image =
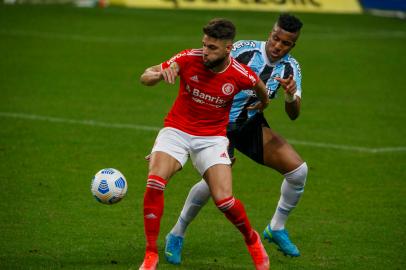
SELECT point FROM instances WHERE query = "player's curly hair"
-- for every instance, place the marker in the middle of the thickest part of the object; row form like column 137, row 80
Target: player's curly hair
column 220, row 28
column 289, row 23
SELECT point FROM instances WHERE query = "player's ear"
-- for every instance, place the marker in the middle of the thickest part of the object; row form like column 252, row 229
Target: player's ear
column 229, row 46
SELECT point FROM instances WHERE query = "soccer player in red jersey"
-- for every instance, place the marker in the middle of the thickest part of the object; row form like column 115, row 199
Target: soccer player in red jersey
column 196, row 127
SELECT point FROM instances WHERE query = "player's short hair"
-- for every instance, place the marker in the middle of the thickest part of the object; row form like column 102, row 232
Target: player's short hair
column 289, row 23
column 220, row 28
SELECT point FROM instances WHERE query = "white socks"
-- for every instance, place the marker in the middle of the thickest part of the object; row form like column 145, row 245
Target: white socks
column 291, row 190
column 196, row 199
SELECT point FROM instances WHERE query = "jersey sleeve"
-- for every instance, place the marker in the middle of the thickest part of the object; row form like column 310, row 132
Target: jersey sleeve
column 180, row 58
column 252, row 76
column 294, row 69
column 249, row 78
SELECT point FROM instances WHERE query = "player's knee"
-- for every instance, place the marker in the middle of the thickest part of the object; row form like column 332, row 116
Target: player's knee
column 298, row 176
column 200, row 193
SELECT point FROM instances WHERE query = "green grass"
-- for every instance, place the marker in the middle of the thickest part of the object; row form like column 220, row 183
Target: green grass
column 84, row 64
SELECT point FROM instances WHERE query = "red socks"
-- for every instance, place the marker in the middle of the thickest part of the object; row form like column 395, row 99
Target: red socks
column 154, row 206
column 234, row 210
column 153, row 209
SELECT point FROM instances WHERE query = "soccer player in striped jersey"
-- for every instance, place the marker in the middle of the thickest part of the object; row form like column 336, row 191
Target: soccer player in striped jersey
column 249, row 132
column 196, row 127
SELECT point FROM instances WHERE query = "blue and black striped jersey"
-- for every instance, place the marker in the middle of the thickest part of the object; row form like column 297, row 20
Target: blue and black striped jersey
column 252, row 53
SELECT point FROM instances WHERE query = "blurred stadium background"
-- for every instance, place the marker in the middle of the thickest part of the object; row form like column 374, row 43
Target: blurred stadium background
column 71, row 104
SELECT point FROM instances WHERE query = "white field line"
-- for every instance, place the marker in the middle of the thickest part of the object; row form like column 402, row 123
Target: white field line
column 78, row 122
column 152, row 128
column 92, row 39
column 174, row 38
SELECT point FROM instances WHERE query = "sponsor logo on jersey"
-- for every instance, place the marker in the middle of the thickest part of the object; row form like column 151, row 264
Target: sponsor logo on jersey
column 194, row 78
column 227, row 88
column 202, row 98
column 223, row 155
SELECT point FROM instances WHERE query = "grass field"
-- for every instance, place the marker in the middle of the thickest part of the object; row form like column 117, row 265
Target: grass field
column 71, row 104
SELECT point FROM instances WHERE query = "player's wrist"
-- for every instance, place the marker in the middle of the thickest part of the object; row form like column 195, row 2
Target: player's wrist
column 290, row 98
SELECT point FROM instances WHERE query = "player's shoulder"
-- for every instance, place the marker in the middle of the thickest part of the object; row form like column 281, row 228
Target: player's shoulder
column 246, row 45
column 189, row 52
column 291, row 60
column 291, row 65
column 185, row 56
column 235, row 65
column 195, row 52
column 243, row 70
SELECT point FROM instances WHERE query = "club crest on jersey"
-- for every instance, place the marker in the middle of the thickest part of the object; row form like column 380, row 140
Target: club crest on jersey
column 227, row 88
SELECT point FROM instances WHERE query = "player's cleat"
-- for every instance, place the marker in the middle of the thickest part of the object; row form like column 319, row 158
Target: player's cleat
column 150, row 262
column 173, row 248
column 281, row 239
column 258, row 254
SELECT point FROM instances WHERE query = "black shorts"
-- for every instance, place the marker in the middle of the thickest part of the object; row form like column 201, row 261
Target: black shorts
column 248, row 138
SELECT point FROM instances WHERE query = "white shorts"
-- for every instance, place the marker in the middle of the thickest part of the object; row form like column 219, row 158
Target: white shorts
column 205, row 151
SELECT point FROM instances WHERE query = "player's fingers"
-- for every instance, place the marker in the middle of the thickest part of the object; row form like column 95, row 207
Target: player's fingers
column 148, row 157
column 253, row 106
column 279, row 79
column 169, row 75
column 291, row 87
column 165, row 75
column 283, row 82
column 257, row 106
column 172, row 75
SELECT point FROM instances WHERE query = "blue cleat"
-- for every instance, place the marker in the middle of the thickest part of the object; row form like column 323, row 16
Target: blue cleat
column 281, row 239
column 173, row 248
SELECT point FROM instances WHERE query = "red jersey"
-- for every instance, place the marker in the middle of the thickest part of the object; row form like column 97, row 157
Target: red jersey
column 204, row 100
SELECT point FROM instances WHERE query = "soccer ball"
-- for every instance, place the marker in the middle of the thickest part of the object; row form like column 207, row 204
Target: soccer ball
column 109, row 186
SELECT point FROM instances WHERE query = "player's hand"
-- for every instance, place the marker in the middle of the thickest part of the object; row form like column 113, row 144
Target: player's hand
column 170, row 73
column 289, row 84
column 148, row 157
column 258, row 106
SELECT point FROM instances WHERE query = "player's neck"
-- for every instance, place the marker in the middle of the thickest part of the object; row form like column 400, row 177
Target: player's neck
column 222, row 66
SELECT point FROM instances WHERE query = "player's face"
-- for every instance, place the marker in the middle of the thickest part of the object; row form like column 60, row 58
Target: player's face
column 280, row 42
column 215, row 51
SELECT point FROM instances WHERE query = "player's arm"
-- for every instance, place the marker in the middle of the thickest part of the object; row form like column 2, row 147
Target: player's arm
column 292, row 101
column 262, row 94
column 155, row 74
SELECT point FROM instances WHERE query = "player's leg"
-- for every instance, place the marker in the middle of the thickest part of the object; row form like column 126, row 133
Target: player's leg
column 219, row 180
column 168, row 156
column 198, row 196
column 212, row 161
column 280, row 155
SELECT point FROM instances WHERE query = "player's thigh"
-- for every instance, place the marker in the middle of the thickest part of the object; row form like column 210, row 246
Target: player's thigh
column 163, row 165
column 219, row 179
column 278, row 153
column 170, row 152
column 209, row 151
